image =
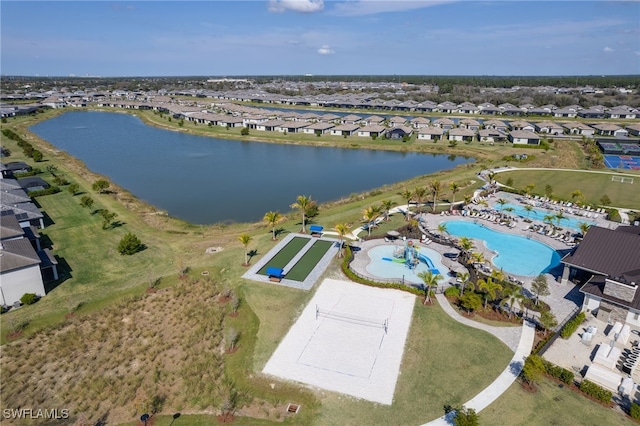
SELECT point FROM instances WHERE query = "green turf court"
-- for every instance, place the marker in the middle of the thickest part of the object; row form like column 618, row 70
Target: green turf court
column 284, row 256
column 309, row 260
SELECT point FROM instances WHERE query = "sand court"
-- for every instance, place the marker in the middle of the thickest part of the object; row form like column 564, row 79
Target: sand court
column 349, row 338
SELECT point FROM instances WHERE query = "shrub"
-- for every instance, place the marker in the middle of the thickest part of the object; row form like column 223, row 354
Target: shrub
column 37, row 155
column 572, row 325
column 48, row 191
column 29, row 299
column 101, row 185
column 634, row 412
column 596, row 391
column 452, row 292
column 562, row 374
column 533, row 369
column 244, row 131
column 129, row 244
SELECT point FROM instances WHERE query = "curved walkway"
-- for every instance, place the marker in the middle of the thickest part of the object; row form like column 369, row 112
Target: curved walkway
column 507, row 335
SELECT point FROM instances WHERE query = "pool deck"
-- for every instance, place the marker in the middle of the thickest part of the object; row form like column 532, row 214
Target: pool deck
column 314, row 275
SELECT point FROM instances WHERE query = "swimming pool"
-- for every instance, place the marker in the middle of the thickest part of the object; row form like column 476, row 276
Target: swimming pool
column 394, row 270
column 516, row 255
column 539, row 214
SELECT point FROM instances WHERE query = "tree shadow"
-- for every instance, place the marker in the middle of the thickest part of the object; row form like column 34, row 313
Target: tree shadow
column 515, row 367
column 251, row 254
column 280, row 231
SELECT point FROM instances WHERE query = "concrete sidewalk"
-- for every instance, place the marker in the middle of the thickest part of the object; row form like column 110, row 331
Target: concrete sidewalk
column 505, row 379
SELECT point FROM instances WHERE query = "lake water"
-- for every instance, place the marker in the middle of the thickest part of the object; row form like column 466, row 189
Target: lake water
column 206, row 180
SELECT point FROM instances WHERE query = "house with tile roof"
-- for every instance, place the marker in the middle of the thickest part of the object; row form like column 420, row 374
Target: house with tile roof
column 430, row 133
column 524, row 137
column 461, row 134
column 607, row 265
column 548, row 127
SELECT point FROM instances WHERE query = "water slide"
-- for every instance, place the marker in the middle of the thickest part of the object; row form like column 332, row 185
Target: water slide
column 428, row 262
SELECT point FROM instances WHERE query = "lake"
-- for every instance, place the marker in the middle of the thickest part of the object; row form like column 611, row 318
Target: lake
column 205, row 180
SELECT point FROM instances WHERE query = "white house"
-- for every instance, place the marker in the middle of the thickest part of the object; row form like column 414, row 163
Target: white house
column 524, row 137
column 20, row 271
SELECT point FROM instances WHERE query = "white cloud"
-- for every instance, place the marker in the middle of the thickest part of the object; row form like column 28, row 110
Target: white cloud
column 608, row 49
column 302, row 6
column 372, row 7
column 326, row 50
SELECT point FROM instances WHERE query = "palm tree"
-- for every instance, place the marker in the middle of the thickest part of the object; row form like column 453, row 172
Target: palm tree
column 528, row 208
column 303, row 203
column 273, row 218
column 513, row 295
column 435, row 186
column 386, row 206
column 466, row 244
column 577, row 194
column 464, row 279
column 559, row 216
column 502, row 202
column 430, row 280
column 342, row 229
column 549, row 218
column 490, row 289
column 467, row 199
column 442, row 228
column 245, row 239
column 418, row 195
column 477, row 257
column 498, row 275
column 584, row 227
column 370, row 215
column 491, row 176
column 407, row 195
column 454, row 187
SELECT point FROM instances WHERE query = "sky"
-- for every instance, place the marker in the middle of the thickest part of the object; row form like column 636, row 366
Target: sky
column 319, row 37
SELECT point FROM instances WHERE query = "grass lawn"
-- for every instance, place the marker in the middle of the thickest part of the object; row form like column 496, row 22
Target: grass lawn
column 309, row 260
column 551, row 405
column 592, row 185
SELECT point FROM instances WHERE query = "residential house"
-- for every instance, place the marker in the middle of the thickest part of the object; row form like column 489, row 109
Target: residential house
column 399, row 132
column 318, row 128
column 372, row 119
column 495, row 125
column 444, row 123
column 345, row 130
column 521, row 125
column 608, row 129
column 269, row 125
column 468, row 123
column 461, row 134
column 548, row 127
column 578, row 129
column 510, row 109
column 608, row 265
column 447, row 107
column 468, row 108
column 397, row 121
column 566, row 112
column 488, row 108
column 430, row 133
column 291, row 126
column 491, row 135
column 633, row 129
column 7, row 170
column 596, row 111
column 420, row 122
column 351, row 119
column 622, row 111
column 373, row 130
column 524, row 137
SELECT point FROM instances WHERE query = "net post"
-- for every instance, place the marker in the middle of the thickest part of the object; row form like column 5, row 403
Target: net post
column 317, row 312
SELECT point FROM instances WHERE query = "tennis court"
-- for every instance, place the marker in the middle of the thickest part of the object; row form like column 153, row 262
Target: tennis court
column 350, row 339
column 622, row 162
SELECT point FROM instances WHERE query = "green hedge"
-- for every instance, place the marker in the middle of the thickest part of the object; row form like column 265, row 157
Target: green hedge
column 634, row 412
column 562, row 374
column 572, row 325
column 452, row 292
column 48, row 191
column 596, row 391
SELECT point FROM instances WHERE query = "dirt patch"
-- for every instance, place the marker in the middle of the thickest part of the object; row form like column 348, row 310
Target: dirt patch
column 226, row 418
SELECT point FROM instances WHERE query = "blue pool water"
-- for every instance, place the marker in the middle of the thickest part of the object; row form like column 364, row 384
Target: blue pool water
column 394, row 270
column 516, row 255
column 539, row 214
